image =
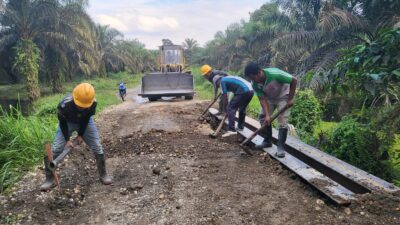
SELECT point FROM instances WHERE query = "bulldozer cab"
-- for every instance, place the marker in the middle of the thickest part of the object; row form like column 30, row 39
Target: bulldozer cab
column 171, row 58
column 170, row 80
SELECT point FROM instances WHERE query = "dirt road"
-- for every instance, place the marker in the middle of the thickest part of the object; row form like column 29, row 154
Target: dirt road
column 168, row 171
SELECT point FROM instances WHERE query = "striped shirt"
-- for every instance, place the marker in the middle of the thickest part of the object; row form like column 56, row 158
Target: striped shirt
column 235, row 84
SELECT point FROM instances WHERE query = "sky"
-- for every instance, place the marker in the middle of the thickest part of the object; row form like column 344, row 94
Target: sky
column 149, row 21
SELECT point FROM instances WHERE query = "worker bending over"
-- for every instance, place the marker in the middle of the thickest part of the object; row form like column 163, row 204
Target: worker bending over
column 76, row 114
column 275, row 88
column 243, row 93
column 209, row 74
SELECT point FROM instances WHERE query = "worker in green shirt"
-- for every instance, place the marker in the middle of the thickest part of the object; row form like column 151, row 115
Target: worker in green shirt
column 274, row 88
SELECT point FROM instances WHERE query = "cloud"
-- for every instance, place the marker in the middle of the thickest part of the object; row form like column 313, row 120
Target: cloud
column 149, row 23
column 112, row 21
column 152, row 20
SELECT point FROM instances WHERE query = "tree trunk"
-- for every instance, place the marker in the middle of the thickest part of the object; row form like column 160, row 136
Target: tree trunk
column 27, row 64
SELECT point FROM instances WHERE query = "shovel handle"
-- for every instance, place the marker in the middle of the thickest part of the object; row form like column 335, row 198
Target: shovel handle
column 209, row 106
column 245, row 142
column 55, row 162
column 220, row 126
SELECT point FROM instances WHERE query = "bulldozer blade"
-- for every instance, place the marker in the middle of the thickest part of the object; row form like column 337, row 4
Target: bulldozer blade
column 170, row 84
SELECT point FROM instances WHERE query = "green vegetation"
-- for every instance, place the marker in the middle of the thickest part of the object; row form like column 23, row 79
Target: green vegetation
column 359, row 145
column 306, row 112
column 22, row 138
column 394, row 153
column 204, row 89
column 346, row 52
column 51, row 42
column 22, row 144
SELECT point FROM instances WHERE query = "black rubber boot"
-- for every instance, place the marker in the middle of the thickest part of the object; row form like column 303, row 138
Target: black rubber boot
column 281, row 142
column 267, row 142
column 101, row 167
column 49, row 183
column 242, row 117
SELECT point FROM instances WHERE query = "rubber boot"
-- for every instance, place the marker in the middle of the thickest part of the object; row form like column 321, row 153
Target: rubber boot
column 267, row 142
column 242, row 117
column 49, row 183
column 101, row 167
column 281, row 142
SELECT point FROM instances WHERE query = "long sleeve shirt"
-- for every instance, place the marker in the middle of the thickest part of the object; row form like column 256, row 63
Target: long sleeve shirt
column 68, row 112
column 213, row 74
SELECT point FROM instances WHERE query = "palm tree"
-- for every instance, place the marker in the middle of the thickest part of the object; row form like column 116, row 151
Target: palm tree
column 72, row 48
column 338, row 25
column 60, row 28
column 189, row 46
column 24, row 21
column 106, row 40
column 265, row 24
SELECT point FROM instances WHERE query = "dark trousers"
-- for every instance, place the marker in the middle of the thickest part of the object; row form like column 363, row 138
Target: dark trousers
column 239, row 101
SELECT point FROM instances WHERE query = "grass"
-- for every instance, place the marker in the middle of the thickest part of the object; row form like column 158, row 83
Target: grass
column 22, row 144
column 324, row 127
column 394, row 153
column 22, row 138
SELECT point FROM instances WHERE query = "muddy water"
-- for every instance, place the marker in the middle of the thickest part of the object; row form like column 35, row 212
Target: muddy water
column 24, row 105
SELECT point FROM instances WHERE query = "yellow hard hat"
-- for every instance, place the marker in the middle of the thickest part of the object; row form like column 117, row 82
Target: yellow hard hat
column 83, row 95
column 205, row 69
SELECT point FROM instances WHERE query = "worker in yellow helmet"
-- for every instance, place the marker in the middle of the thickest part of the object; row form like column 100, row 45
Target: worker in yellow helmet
column 208, row 73
column 75, row 113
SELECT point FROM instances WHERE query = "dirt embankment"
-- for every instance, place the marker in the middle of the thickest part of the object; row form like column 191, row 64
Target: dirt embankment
column 168, row 171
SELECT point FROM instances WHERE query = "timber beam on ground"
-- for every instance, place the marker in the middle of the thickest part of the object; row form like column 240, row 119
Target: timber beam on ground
column 334, row 178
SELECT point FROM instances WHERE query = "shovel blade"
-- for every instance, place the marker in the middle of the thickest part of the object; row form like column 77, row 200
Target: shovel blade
column 246, row 149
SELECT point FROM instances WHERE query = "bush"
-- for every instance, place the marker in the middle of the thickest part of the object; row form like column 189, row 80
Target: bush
column 359, row 145
column 306, row 112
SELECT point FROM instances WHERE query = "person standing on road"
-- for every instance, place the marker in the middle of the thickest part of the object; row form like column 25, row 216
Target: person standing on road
column 243, row 93
column 76, row 114
column 122, row 90
column 208, row 73
column 275, row 88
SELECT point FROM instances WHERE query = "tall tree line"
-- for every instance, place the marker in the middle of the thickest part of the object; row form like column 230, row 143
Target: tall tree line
column 56, row 41
column 347, row 52
column 299, row 35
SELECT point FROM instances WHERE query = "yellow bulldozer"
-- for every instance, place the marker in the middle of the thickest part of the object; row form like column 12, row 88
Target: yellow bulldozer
column 170, row 80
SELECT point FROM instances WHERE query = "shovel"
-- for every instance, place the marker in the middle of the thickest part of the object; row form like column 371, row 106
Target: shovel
column 245, row 142
column 50, row 157
column 215, row 134
column 56, row 162
column 209, row 106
